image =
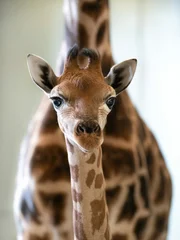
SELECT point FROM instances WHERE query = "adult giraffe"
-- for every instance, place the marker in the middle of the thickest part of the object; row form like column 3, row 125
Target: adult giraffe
column 138, row 186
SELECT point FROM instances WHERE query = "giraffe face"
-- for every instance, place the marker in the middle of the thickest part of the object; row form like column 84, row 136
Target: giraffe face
column 82, row 97
column 82, row 101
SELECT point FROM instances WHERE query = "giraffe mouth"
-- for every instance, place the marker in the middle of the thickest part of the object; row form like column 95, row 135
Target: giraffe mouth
column 88, row 142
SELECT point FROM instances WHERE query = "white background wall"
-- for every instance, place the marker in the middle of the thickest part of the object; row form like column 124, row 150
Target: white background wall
column 148, row 30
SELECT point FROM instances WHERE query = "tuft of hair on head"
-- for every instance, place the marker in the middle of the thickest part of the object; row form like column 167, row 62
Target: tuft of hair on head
column 73, row 52
column 72, row 55
column 93, row 56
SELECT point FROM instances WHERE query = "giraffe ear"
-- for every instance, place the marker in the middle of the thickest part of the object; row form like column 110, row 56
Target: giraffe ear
column 120, row 75
column 41, row 73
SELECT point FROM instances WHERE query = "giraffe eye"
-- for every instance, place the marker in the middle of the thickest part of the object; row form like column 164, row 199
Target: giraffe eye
column 57, row 102
column 110, row 102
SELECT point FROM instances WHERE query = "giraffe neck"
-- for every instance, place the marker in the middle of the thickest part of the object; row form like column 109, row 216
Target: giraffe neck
column 87, row 24
column 90, row 212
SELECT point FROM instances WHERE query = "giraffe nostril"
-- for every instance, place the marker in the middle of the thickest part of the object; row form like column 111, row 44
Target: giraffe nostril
column 97, row 128
column 80, row 129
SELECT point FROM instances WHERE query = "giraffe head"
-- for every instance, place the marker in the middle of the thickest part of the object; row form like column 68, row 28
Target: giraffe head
column 82, row 96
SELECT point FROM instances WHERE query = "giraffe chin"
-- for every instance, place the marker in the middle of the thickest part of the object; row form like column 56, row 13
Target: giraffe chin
column 88, row 143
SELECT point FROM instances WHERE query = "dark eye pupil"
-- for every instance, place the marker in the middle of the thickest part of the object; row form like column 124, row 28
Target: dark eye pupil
column 110, row 102
column 57, row 102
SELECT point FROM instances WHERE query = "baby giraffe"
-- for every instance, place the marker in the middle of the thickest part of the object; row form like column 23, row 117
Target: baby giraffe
column 83, row 98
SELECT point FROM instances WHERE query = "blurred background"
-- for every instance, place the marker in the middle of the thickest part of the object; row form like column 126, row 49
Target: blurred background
column 148, row 30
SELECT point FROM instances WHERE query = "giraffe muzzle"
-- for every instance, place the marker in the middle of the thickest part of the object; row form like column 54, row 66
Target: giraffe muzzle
column 88, row 127
column 88, row 135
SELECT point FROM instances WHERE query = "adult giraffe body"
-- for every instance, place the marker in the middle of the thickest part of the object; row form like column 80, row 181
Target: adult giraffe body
column 138, row 185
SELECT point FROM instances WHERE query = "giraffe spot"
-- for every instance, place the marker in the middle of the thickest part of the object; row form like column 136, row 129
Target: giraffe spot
column 46, row 236
column 161, row 192
column 49, row 124
column 77, row 197
column 78, row 226
column 83, row 40
column 90, row 177
column 101, row 33
column 94, row 9
column 161, row 224
column 98, row 214
column 150, row 163
column 49, row 163
column 54, row 203
column 74, row 172
column 117, row 161
column 99, row 181
column 112, row 195
column 28, row 208
column 119, row 237
column 140, row 227
column 92, row 159
column 144, row 187
column 130, row 207
column 124, row 129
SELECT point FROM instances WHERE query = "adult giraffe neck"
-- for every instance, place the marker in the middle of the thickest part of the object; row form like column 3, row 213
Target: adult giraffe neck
column 87, row 24
column 90, row 212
